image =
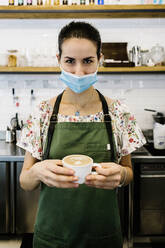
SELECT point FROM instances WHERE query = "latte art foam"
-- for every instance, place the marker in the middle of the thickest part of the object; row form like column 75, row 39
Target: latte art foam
column 78, row 160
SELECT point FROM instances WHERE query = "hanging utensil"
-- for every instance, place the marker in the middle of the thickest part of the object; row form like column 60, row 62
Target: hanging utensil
column 32, row 98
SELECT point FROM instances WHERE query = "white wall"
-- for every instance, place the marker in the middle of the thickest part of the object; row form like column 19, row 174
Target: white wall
column 145, row 32
column 137, row 90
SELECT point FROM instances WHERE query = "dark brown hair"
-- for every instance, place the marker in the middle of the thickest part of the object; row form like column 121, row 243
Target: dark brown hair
column 82, row 30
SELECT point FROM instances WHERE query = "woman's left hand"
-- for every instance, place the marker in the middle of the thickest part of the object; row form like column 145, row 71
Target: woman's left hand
column 108, row 176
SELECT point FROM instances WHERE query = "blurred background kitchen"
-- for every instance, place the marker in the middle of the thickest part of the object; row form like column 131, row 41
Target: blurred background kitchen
column 132, row 70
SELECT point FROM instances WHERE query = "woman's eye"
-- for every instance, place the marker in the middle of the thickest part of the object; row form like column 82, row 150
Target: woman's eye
column 88, row 61
column 69, row 61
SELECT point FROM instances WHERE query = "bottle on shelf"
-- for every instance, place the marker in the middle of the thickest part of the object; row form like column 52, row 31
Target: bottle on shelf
column 48, row 2
column 29, row 2
column 39, row 2
column 12, row 58
column 11, row 2
column 16, row 2
column 56, row 2
column 82, row 2
column 73, row 2
column 20, row 2
column 34, row 2
column 65, row 2
column 91, row 2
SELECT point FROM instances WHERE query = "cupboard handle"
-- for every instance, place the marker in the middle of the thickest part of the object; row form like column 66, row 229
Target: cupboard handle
column 7, row 200
column 12, row 195
column 152, row 176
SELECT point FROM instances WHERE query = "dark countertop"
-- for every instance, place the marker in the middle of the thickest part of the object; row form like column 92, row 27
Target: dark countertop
column 11, row 152
column 148, row 154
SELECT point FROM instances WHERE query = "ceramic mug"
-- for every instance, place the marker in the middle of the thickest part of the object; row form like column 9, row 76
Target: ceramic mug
column 81, row 164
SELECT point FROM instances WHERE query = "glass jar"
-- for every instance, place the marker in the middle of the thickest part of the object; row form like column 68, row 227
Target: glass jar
column 12, row 58
column 157, row 54
column 145, row 56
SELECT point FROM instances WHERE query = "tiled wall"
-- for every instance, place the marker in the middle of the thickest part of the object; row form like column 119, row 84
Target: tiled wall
column 139, row 91
column 144, row 32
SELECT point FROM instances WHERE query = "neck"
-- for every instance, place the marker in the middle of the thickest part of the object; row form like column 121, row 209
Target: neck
column 81, row 99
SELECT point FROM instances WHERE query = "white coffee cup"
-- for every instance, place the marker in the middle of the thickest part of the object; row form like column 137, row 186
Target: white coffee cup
column 81, row 164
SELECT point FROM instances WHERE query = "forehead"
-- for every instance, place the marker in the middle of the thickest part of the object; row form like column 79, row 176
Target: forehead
column 75, row 47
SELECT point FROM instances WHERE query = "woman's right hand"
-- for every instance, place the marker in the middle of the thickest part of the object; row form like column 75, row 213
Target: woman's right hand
column 53, row 174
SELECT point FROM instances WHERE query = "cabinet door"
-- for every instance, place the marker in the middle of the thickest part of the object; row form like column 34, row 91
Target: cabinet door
column 4, row 198
column 26, row 205
column 152, row 205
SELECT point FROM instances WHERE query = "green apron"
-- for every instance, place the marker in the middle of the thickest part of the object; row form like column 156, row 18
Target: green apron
column 83, row 217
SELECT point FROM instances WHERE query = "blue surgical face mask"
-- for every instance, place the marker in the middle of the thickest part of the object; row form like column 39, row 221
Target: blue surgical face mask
column 78, row 83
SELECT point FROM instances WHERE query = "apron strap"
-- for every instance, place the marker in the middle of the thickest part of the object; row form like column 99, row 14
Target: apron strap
column 53, row 121
column 108, row 123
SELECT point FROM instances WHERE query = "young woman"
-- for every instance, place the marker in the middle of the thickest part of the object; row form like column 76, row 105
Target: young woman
column 79, row 121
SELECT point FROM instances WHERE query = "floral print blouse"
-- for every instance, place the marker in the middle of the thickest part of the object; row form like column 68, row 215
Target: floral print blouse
column 128, row 136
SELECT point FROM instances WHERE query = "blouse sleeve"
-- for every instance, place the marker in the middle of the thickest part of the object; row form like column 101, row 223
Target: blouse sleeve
column 33, row 134
column 129, row 134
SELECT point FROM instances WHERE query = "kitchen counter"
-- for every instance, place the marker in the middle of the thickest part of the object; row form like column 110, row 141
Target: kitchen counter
column 143, row 155
column 10, row 152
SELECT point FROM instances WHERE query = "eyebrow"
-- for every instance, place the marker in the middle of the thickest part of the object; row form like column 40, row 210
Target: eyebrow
column 90, row 57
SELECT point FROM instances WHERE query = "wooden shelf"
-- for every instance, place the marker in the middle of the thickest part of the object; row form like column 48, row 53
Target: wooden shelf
column 146, row 69
column 106, row 70
column 29, row 69
column 83, row 11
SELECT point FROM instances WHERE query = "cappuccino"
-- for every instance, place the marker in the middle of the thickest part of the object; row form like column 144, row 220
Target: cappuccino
column 81, row 164
column 78, row 160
